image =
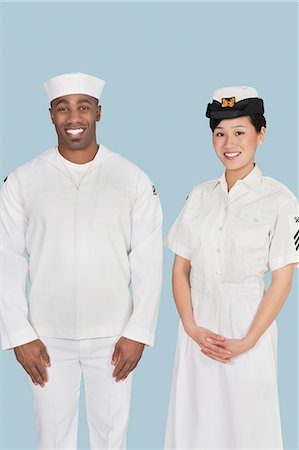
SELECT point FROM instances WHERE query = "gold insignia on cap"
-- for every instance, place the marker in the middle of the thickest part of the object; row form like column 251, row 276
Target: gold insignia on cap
column 228, row 102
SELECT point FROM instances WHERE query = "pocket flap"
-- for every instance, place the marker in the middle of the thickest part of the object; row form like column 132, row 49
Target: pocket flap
column 256, row 218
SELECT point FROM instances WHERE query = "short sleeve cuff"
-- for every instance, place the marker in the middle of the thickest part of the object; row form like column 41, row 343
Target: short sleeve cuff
column 178, row 248
column 282, row 261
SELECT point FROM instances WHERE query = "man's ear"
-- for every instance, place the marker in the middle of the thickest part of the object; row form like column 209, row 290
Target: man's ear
column 51, row 115
column 98, row 115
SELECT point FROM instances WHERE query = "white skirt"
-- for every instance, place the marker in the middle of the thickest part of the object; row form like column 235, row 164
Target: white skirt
column 225, row 406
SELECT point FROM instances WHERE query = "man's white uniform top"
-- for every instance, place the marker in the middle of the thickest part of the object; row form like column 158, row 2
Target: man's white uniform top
column 93, row 251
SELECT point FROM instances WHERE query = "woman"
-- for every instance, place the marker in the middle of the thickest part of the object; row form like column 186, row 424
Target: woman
column 231, row 231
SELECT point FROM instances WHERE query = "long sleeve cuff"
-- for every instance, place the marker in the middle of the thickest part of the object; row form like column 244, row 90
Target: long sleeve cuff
column 17, row 338
column 139, row 334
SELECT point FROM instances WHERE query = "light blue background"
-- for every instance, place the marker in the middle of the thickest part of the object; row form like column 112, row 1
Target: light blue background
column 161, row 63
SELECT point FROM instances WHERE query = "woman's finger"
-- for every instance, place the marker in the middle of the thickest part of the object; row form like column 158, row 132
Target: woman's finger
column 217, row 349
column 215, row 340
column 224, row 361
column 211, row 353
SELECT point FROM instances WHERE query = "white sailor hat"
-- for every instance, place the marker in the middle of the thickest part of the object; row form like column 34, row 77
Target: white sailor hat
column 235, row 101
column 74, row 83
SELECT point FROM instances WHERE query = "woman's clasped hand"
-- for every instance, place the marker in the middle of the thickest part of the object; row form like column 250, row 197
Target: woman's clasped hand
column 219, row 347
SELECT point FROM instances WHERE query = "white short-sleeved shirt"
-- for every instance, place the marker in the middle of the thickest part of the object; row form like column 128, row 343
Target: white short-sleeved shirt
column 237, row 236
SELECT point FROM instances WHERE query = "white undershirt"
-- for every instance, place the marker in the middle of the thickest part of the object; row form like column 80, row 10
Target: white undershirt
column 76, row 170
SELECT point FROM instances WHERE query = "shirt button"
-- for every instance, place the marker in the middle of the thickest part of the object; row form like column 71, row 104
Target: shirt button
column 218, row 272
column 218, row 250
column 220, row 228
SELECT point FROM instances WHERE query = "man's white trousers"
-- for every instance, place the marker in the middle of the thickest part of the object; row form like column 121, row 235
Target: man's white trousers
column 56, row 405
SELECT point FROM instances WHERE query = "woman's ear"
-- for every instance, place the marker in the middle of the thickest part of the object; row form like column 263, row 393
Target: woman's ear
column 262, row 135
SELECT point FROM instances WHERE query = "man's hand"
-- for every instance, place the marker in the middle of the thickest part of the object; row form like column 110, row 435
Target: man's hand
column 34, row 357
column 125, row 358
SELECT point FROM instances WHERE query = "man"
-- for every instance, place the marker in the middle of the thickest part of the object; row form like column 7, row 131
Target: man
column 85, row 224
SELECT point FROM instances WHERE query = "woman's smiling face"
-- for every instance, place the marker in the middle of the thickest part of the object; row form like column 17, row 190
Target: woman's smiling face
column 235, row 142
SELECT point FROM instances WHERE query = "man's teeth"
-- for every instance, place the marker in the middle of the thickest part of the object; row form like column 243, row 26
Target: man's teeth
column 231, row 155
column 74, row 131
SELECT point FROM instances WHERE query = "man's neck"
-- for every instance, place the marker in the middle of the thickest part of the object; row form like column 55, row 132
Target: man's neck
column 79, row 156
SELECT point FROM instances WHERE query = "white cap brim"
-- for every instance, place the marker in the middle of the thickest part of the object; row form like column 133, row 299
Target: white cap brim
column 74, row 83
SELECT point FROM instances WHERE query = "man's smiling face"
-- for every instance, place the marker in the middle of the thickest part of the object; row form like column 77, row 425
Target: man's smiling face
column 75, row 117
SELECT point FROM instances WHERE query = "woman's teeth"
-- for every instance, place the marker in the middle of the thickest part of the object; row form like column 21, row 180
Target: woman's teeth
column 231, row 154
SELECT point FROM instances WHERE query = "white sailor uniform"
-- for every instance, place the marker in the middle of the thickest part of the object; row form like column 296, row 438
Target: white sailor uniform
column 231, row 239
column 92, row 246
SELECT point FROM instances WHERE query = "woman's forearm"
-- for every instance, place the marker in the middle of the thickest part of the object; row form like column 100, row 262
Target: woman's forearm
column 182, row 297
column 182, row 292
column 271, row 303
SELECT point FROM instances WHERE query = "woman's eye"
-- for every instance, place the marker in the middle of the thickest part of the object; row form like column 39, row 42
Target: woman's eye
column 239, row 133
column 219, row 134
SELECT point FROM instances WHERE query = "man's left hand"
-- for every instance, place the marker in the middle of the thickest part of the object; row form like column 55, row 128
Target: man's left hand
column 126, row 356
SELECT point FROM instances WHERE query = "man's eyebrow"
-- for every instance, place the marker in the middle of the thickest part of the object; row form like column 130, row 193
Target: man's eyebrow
column 61, row 101
column 82, row 100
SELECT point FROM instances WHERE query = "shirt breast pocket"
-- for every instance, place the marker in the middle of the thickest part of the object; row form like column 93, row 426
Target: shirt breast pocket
column 253, row 229
column 198, row 226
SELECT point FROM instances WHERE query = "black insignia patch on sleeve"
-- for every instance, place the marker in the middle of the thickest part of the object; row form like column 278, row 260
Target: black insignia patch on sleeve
column 296, row 218
column 187, row 197
column 5, row 179
column 296, row 240
column 154, row 191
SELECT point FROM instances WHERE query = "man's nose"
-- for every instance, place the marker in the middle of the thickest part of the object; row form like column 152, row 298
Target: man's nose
column 74, row 116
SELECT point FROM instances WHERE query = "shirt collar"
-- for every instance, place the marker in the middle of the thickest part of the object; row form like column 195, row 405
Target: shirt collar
column 54, row 158
column 252, row 180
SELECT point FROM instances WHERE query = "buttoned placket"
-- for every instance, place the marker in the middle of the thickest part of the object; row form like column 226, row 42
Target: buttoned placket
column 220, row 233
column 220, row 244
column 230, row 197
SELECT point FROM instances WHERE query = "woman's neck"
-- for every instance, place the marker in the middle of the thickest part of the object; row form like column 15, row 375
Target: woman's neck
column 232, row 176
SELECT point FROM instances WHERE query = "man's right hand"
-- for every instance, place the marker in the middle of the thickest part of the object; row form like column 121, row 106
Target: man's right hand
column 34, row 357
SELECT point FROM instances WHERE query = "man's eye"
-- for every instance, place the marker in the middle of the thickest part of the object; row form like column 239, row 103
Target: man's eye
column 62, row 108
column 84, row 108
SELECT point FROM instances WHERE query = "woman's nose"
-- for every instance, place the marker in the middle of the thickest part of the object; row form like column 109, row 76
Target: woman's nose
column 229, row 141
